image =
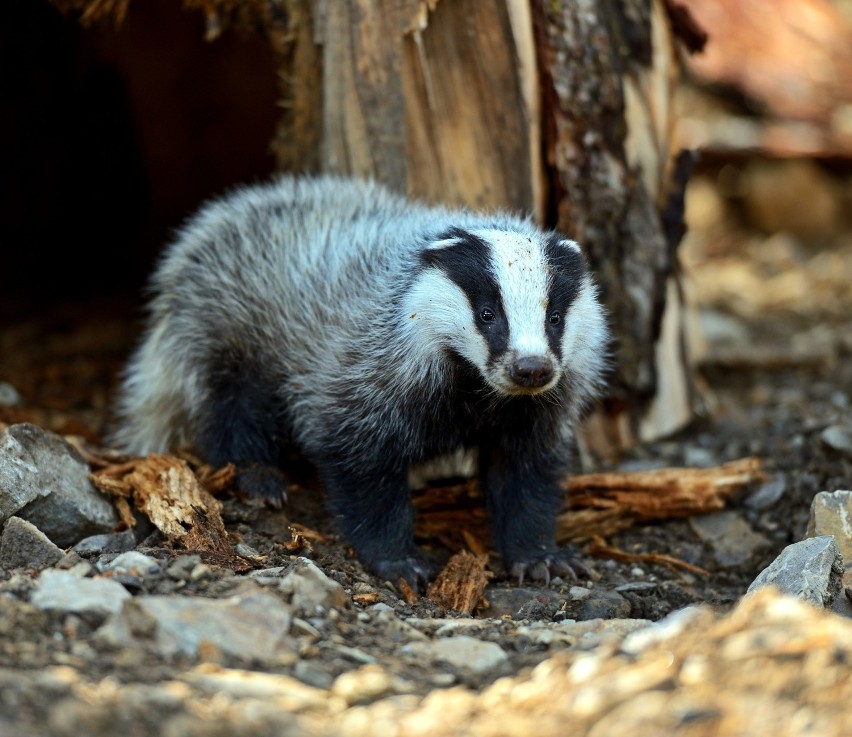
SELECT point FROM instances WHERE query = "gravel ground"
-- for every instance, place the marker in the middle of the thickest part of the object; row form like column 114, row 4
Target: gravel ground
column 763, row 396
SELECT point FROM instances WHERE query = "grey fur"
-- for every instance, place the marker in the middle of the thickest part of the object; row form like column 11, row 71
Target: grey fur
column 321, row 283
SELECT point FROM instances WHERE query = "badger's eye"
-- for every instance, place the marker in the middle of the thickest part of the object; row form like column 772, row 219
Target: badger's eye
column 487, row 314
column 555, row 317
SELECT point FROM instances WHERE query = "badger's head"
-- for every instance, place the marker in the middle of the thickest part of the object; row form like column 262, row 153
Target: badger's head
column 518, row 304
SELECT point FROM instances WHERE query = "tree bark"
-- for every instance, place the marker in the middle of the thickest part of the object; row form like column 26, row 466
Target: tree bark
column 560, row 109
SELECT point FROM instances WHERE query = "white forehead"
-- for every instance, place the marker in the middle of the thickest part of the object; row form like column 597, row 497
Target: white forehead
column 523, row 273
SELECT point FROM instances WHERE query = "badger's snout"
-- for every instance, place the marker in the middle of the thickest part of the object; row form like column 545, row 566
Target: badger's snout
column 531, row 372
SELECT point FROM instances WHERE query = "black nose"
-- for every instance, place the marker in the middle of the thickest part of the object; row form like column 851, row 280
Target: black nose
column 532, row 371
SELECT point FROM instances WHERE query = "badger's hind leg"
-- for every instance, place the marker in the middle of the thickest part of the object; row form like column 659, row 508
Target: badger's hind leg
column 242, row 422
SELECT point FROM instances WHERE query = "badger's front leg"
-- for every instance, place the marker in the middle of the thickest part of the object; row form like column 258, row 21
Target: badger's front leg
column 520, row 476
column 373, row 511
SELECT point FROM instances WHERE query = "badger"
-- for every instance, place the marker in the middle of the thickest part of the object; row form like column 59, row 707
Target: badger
column 372, row 333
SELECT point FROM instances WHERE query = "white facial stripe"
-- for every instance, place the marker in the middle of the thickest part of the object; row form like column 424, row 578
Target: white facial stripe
column 438, row 310
column 585, row 330
column 521, row 267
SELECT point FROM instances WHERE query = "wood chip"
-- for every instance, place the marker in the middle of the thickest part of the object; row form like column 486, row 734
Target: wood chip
column 307, row 533
column 371, row 597
column 217, row 480
column 299, row 543
column 462, row 583
column 409, row 595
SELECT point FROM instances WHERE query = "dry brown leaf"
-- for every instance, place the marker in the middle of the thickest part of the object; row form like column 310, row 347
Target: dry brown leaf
column 462, row 583
column 475, row 543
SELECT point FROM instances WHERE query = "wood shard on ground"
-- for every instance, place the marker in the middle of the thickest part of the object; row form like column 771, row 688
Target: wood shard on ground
column 461, row 584
column 166, row 490
column 601, row 503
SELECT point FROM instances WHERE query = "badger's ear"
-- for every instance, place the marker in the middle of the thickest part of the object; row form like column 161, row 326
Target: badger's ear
column 458, row 252
column 568, row 243
column 448, row 239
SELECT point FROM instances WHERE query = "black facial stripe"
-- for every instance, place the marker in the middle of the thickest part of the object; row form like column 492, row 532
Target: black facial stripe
column 568, row 269
column 468, row 264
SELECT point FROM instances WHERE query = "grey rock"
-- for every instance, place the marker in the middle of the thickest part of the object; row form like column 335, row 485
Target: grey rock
column 62, row 591
column 312, row 674
column 247, row 551
column 462, row 652
column 271, row 574
column 636, row 586
column 667, row 628
column 9, row 396
column 694, row 455
column 811, row 570
column 134, row 562
column 767, row 494
column 604, row 605
column 511, row 601
column 723, row 331
column 586, row 635
column 182, row 567
column 311, row 590
column 731, row 538
column 838, row 438
column 23, row 545
column 113, row 542
column 578, row 593
column 251, row 626
column 44, row 481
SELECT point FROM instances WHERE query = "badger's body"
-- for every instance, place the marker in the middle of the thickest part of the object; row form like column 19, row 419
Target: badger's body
column 372, row 334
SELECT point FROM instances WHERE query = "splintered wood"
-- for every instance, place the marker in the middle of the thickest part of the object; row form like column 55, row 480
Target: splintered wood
column 166, row 490
column 462, row 583
column 603, row 503
column 598, row 504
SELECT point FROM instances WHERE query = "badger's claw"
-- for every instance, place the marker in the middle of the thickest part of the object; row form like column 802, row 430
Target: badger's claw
column 417, row 570
column 540, row 566
column 260, row 481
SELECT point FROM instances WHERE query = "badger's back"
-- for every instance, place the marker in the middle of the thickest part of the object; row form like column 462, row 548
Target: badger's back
column 336, row 295
column 285, row 274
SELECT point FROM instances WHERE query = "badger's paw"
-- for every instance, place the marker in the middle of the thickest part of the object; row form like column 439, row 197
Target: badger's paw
column 543, row 565
column 260, row 481
column 418, row 570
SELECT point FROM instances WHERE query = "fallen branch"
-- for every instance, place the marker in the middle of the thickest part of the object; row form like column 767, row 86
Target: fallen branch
column 600, row 549
column 603, row 503
column 595, row 504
